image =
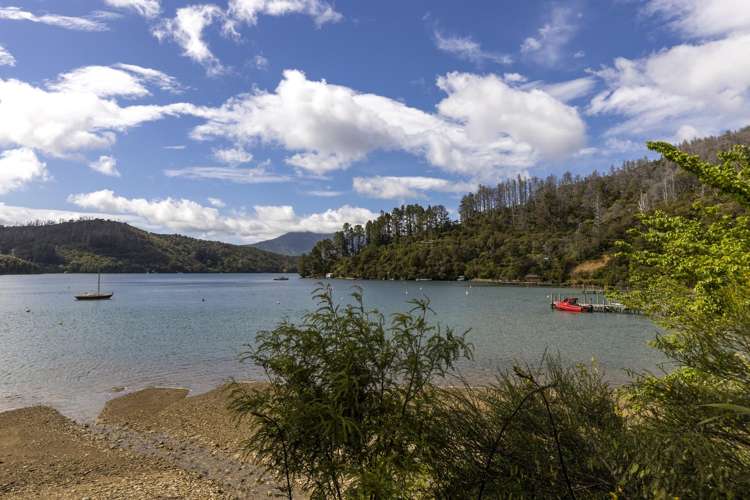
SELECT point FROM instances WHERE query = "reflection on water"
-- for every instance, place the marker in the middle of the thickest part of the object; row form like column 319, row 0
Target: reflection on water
column 188, row 330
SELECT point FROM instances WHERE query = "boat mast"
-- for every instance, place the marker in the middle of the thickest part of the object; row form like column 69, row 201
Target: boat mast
column 99, row 284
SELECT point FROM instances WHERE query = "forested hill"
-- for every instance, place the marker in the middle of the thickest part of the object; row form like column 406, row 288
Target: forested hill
column 108, row 246
column 294, row 243
column 555, row 229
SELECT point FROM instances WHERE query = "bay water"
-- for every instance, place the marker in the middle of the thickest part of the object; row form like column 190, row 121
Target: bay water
column 188, row 330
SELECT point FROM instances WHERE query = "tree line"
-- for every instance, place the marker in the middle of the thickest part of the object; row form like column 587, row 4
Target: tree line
column 555, row 229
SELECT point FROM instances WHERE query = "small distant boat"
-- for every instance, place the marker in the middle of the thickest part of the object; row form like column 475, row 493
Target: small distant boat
column 423, row 279
column 570, row 304
column 281, row 278
column 98, row 295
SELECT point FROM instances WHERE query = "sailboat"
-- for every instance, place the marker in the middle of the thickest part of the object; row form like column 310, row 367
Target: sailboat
column 98, row 295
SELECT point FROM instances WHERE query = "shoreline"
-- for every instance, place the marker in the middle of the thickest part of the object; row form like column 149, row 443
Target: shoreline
column 143, row 444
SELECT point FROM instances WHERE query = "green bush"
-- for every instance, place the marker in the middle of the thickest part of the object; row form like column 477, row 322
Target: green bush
column 347, row 410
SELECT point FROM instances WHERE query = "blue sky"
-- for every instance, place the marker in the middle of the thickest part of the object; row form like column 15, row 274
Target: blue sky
column 240, row 120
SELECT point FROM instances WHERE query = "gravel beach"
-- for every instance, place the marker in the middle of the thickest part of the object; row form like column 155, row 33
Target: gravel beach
column 153, row 443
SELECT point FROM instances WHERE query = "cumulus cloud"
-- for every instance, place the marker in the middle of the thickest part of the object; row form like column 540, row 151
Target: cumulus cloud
column 548, row 46
column 407, row 187
column 249, row 10
column 19, row 167
column 464, row 47
column 216, row 202
column 78, row 111
column 685, row 85
column 67, row 22
column 186, row 215
column 703, row 18
column 484, row 127
column 6, row 58
column 256, row 175
column 186, row 30
column 232, row 156
column 492, row 111
column 106, row 165
column 146, row 8
column 14, row 215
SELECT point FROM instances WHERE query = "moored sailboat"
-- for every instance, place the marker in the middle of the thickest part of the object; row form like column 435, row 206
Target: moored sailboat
column 98, row 295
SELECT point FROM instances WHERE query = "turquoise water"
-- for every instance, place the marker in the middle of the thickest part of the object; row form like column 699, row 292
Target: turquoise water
column 157, row 330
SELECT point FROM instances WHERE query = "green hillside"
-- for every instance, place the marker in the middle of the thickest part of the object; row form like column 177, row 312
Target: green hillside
column 108, row 246
column 558, row 230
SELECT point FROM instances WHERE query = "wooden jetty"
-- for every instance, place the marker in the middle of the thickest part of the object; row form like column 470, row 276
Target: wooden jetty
column 598, row 301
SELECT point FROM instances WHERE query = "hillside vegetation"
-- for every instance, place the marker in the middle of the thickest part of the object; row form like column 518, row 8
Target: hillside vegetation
column 108, row 246
column 557, row 229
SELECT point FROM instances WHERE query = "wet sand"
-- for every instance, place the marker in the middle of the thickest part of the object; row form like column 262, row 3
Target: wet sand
column 154, row 443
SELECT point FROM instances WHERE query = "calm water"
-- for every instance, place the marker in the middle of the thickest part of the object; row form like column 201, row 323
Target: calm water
column 158, row 331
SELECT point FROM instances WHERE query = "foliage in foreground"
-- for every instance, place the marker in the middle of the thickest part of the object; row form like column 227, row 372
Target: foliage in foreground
column 544, row 432
column 353, row 410
column 692, row 276
column 347, row 412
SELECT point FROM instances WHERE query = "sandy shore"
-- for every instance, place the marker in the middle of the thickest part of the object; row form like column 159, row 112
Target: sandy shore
column 154, row 443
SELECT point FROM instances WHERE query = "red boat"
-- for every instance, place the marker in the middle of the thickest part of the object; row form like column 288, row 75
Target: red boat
column 570, row 304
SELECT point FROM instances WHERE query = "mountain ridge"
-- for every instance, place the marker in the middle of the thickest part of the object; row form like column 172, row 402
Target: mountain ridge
column 91, row 245
column 293, row 243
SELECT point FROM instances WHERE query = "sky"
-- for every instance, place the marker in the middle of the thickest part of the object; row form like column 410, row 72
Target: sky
column 241, row 120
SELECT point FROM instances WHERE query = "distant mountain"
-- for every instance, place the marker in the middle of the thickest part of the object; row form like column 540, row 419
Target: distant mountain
column 292, row 243
column 93, row 245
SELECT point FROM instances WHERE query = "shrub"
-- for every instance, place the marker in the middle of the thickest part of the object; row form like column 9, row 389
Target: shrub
column 347, row 411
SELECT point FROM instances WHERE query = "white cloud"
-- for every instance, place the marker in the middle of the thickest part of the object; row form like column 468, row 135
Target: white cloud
column 154, row 77
column 13, row 216
column 493, row 111
column 67, row 22
column 324, row 193
column 188, row 26
column 483, row 127
column 177, row 147
column 77, row 111
column 264, row 222
column 685, row 85
column 248, row 10
column 703, row 18
column 127, row 80
column 147, row 8
column 6, row 58
column 464, row 47
column 572, row 89
column 216, row 202
column 186, row 29
column 579, row 55
column 232, row 156
column 260, row 62
column 514, row 78
column 548, row 46
column 407, row 187
column 106, row 165
column 256, row 175
column 19, row 167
